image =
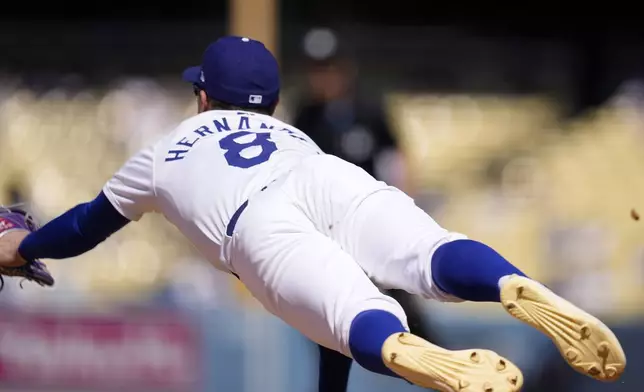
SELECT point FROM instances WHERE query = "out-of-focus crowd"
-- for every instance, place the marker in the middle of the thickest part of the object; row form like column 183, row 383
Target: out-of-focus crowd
column 552, row 196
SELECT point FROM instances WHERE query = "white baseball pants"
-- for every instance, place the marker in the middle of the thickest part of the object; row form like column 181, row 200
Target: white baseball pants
column 313, row 246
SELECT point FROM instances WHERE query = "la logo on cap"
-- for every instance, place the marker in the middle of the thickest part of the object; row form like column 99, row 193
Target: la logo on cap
column 256, row 99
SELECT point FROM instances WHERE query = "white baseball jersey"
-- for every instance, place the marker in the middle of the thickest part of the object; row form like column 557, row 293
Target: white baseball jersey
column 201, row 173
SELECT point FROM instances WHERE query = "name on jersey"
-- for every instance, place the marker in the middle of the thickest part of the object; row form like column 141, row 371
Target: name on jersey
column 223, row 124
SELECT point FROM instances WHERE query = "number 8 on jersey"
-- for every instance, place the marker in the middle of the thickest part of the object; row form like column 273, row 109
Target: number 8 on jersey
column 235, row 144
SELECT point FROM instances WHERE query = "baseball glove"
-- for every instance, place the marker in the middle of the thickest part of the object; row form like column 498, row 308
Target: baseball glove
column 12, row 219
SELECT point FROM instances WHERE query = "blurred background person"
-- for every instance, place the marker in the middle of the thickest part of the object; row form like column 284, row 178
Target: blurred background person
column 346, row 121
column 350, row 122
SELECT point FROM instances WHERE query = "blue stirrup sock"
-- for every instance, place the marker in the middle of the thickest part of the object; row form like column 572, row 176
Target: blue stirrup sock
column 368, row 333
column 470, row 270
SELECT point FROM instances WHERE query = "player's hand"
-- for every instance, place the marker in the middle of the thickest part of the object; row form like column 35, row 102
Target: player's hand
column 9, row 243
column 15, row 225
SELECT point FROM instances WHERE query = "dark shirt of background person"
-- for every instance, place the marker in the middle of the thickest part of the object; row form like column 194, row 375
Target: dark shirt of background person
column 346, row 123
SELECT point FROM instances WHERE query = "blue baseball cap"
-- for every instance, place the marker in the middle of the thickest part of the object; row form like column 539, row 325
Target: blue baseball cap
column 238, row 71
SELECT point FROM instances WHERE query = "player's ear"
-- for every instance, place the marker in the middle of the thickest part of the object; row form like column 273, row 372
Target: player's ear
column 202, row 101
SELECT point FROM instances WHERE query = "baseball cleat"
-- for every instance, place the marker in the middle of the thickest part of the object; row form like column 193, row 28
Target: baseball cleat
column 430, row 366
column 588, row 345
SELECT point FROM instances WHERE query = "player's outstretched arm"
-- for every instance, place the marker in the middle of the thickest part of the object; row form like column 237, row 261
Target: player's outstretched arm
column 75, row 232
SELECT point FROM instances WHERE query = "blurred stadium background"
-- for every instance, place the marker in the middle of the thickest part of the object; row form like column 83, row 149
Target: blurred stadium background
column 527, row 134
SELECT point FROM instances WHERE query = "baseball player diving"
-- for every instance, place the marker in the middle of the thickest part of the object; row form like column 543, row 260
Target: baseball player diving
column 310, row 235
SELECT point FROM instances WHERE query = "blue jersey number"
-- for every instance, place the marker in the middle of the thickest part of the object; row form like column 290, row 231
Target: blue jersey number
column 234, row 149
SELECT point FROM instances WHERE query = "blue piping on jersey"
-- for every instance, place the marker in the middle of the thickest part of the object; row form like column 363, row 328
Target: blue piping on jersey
column 230, row 229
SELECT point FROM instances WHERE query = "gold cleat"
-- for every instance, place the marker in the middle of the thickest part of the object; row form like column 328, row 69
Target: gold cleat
column 430, row 366
column 588, row 345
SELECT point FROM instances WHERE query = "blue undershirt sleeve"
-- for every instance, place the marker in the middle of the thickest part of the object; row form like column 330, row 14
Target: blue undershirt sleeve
column 75, row 232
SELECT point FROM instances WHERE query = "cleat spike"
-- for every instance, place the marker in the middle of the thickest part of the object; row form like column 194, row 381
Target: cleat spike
column 593, row 370
column 513, row 380
column 585, row 332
